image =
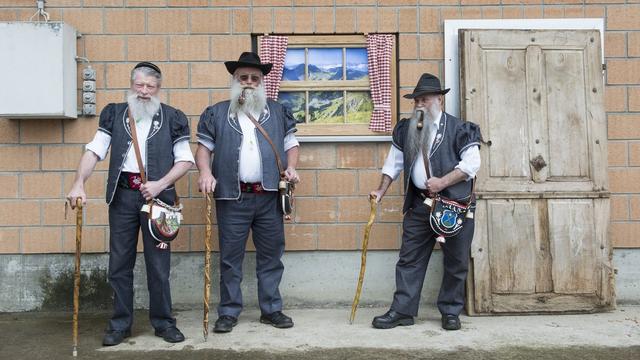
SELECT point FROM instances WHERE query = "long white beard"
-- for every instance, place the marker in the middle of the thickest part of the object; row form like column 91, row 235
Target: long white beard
column 417, row 139
column 254, row 99
column 142, row 109
column 432, row 112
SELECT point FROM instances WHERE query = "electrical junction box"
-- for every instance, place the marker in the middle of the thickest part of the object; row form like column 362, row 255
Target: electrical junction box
column 38, row 70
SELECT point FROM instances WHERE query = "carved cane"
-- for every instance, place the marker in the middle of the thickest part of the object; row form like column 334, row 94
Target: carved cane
column 76, row 280
column 207, row 266
column 363, row 262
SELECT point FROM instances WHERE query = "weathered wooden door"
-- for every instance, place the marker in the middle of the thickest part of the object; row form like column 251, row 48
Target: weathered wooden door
column 541, row 242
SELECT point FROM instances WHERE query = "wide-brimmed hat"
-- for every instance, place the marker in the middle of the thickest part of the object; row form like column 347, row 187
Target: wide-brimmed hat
column 248, row 59
column 428, row 84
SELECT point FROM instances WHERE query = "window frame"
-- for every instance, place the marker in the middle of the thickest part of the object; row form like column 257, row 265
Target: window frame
column 337, row 130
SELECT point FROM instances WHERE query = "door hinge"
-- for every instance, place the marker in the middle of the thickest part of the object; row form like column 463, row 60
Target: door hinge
column 604, row 67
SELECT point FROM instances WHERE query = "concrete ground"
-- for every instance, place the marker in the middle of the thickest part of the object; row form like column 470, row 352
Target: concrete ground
column 326, row 334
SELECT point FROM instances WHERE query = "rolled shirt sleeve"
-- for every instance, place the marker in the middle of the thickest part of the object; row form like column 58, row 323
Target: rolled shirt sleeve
column 290, row 141
column 394, row 163
column 470, row 162
column 209, row 144
column 100, row 144
column 182, row 152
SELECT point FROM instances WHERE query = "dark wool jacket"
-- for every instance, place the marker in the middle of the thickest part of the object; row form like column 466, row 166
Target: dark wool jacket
column 453, row 137
column 218, row 125
column 169, row 125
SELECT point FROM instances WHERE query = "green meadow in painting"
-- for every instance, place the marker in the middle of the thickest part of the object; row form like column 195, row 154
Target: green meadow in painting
column 295, row 101
column 359, row 107
column 328, row 107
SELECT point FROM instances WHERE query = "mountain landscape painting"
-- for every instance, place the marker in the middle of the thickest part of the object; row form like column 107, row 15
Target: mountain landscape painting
column 326, row 107
column 359, row 107
column 339, row 106
column 293, row 65
column 296, row 102
column 357, row 64
column 325, row 64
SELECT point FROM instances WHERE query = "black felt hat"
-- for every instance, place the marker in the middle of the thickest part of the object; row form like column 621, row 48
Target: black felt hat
column 248, row 59
column 148, row 65
column 428, row 84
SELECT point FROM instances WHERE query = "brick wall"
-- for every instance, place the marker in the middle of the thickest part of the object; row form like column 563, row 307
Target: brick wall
column 190, row 39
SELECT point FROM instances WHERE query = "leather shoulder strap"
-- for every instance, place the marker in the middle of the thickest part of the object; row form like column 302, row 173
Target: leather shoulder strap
column 266, row 136
column 136, row 147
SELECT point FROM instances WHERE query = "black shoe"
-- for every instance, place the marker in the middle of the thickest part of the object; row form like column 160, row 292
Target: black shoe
column 277, row 319
column 450, row 322
column 171, row 334
column 115, row 337
column 391, row 319
column 225, row 324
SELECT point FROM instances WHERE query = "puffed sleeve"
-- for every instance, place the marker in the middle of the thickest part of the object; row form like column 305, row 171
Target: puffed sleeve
column 468, row 134
column 179, row 127
column 206, row 130
column 289, row 121
column 107, row 116
column 399, row 134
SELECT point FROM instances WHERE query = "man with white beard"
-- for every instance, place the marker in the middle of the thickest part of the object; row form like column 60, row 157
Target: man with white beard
column 453, row 156
column 163, row 137
column 244, row 176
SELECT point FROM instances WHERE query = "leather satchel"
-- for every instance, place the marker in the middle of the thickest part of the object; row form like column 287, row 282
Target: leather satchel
column 446, row 216
column 286, row 188
column 163, row 220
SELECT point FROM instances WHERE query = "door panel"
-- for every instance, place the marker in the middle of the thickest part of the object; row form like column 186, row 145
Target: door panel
column 575, row 253
column 541, row 242
column 509, row 153
column 568, row 150
column 513, row 261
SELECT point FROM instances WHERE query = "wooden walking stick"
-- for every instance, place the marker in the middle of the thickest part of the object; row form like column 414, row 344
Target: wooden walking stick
column 76, row 280
column 207, row 266
column 363, row 261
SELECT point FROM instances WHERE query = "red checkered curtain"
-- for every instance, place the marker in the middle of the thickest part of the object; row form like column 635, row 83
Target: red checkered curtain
column 379, row 48
column 273, row 49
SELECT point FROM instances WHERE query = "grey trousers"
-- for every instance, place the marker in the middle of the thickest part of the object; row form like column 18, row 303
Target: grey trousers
column 260, row 214
column 125, row 220
column 418, row 240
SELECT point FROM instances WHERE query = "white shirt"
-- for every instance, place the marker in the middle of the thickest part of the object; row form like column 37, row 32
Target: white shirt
column 250, row 168
column 393, row 165
column 101, row 142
